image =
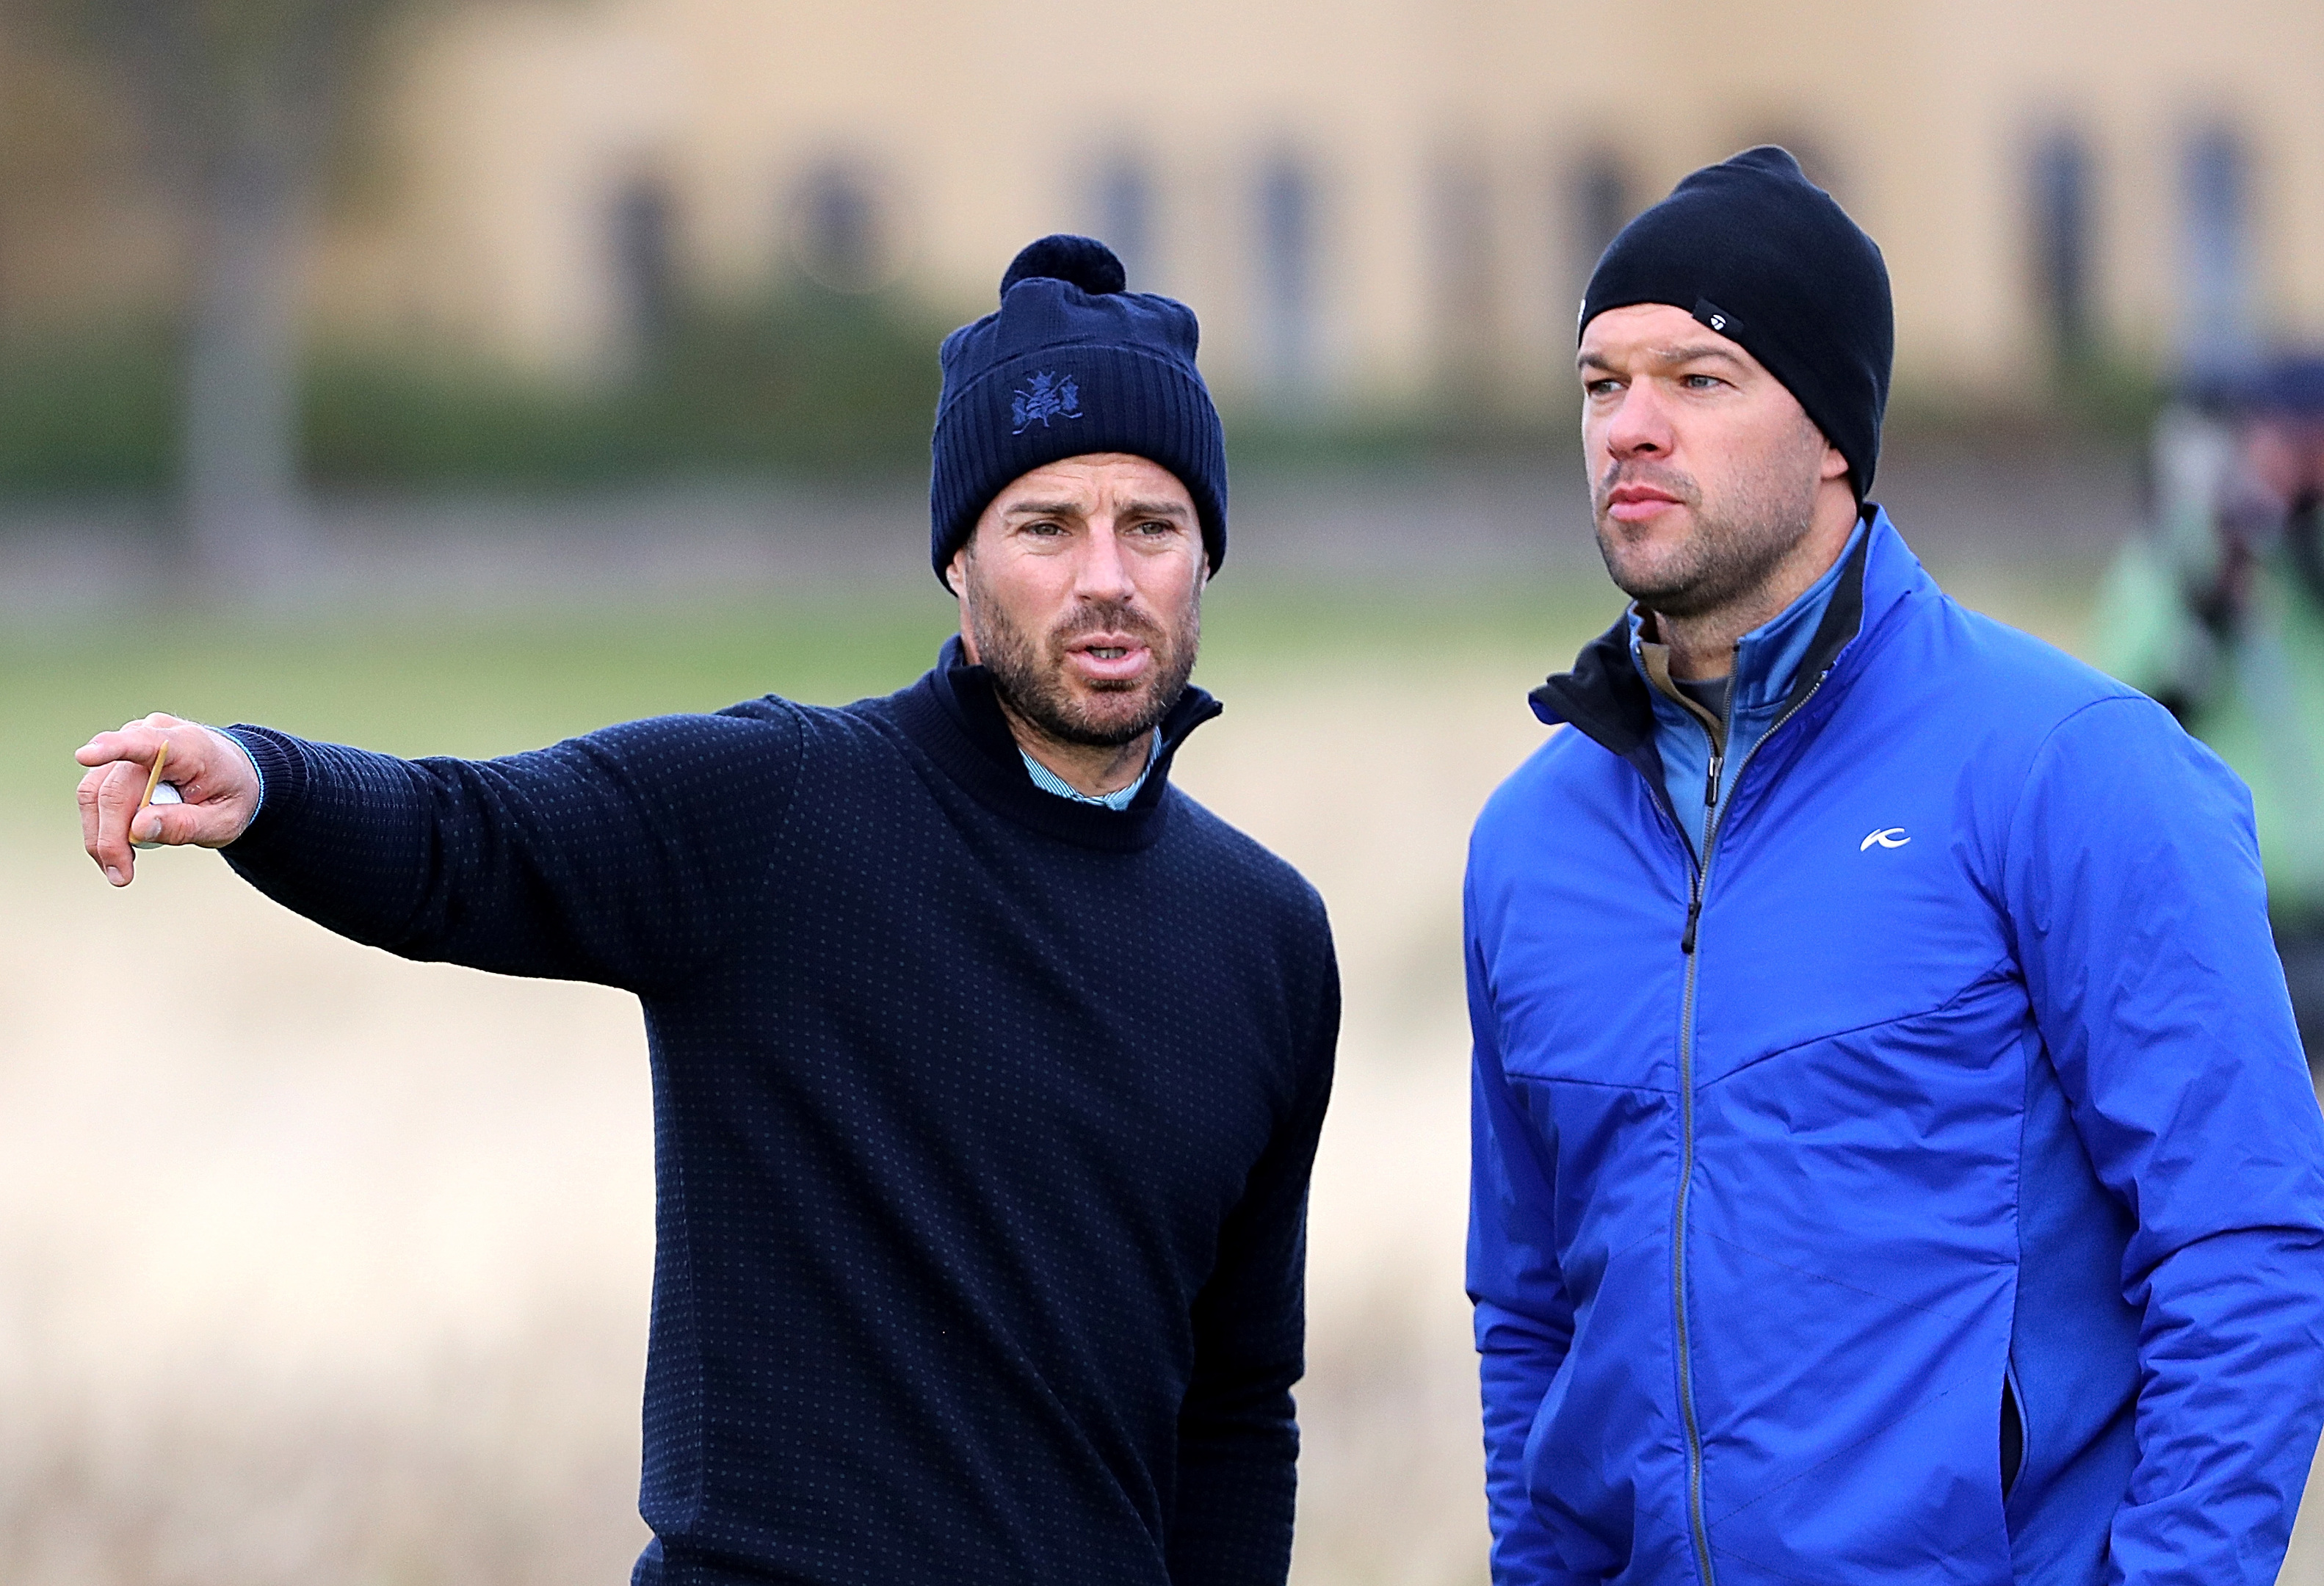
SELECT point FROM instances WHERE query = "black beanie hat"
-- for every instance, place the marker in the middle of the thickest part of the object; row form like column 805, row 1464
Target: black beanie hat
column 1761, row 254
column 1071, row 364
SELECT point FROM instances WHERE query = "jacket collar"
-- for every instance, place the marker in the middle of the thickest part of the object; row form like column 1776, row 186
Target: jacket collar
column 1606, row 700
column 954, row 714
column 1766, row 659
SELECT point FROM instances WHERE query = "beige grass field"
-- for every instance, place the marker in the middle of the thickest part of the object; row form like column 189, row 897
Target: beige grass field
column 317, row 1267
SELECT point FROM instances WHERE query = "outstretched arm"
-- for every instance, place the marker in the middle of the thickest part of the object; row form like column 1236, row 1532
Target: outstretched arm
column 2133, row 884
column 622, row 856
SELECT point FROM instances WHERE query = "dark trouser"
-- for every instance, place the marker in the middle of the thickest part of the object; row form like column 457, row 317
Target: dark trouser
column 2302, row 952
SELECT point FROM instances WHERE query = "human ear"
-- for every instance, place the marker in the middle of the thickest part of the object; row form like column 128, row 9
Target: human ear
column 956, row 577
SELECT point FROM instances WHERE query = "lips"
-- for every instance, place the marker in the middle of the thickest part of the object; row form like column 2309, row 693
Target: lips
column 1635, row 503
column 1109, row 657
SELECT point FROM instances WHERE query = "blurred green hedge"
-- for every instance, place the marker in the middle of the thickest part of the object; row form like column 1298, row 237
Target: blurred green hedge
column 802, row 381
column 93, row 410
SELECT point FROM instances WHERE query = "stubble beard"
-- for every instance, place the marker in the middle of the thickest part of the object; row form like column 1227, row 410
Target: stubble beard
column 1031, row 675
column 1735, row 548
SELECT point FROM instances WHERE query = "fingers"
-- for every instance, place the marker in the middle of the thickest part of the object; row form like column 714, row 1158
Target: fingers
column 119, row 787
column 140, row 740
column 183, row 825
column 208, row 769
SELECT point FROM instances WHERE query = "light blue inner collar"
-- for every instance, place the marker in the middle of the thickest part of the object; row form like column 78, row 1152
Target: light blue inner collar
column 1049, row 781
column 1768, row 656
column 1767, row 663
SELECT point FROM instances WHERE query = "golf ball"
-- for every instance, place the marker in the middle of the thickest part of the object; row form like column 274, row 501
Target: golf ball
column 164, row 793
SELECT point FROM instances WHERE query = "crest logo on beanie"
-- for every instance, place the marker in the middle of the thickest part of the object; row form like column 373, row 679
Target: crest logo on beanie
column 1042, row 399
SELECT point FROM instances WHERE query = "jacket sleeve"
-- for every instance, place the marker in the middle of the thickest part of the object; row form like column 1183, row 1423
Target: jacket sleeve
column 621, row 857
column 2133, row 887
column 1523, row 1320
column 1238, row 1432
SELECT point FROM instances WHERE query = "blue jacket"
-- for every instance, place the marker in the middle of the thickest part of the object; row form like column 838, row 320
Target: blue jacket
column 1958, row 1088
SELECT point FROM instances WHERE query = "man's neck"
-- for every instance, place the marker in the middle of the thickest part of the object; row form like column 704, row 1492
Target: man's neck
column 1093, row 768
column 1702, row 646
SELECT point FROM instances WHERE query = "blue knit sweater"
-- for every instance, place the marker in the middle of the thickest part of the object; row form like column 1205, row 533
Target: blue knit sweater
column 982, row 1119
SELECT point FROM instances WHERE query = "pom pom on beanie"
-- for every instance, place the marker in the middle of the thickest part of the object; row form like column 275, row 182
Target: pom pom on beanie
column 1072, row 363
column 1077, row 261
column 1760, row 254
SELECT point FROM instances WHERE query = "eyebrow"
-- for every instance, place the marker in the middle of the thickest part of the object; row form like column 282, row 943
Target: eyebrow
column 1071, row 509
column 1693, row 353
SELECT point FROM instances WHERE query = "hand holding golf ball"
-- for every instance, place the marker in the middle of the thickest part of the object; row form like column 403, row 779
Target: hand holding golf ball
column 210, row 798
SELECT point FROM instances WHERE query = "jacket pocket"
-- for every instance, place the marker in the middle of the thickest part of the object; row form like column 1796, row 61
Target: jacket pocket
column 2013, row 1432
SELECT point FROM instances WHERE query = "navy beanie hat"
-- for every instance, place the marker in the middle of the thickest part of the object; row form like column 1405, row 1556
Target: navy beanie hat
column 1071, row 364
column 1761, row 254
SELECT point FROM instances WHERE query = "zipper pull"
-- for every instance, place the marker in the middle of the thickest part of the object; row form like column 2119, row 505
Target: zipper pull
column 1711, row 781
column 1693, row 913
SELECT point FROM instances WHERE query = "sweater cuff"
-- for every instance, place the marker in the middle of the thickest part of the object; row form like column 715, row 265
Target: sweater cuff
column 281, row 775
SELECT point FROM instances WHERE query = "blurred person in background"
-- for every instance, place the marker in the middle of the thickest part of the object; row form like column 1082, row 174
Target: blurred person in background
column 2219, row 613
column 987, row 1066
column 1893, row 1155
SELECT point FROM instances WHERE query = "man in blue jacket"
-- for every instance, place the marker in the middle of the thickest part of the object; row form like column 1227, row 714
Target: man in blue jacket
column 1893, row 1159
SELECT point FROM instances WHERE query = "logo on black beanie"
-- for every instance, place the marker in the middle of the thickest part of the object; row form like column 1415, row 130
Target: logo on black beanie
column 1046, row 397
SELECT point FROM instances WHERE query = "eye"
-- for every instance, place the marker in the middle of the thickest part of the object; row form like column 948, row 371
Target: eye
column 1605, row 386
column 1047, row 528
column 1700, row 381
column 1153, row 528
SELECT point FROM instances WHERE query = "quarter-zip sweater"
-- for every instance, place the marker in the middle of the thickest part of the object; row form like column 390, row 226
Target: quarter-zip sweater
column 1701, row 748
column 982, row 1119
column 1954, row 1079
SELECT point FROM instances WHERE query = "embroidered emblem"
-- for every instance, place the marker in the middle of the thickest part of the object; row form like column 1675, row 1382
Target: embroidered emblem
column 1046, row 398
column 1887, row 837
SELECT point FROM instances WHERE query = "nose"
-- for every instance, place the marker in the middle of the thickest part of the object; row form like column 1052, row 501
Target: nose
column 1102, row 573
column 1640, row 426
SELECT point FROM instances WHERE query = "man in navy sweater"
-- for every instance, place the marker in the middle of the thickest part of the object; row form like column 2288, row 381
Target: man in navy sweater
column 988, row 1067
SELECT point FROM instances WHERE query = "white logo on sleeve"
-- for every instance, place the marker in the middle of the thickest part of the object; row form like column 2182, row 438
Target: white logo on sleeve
column 1887, row 837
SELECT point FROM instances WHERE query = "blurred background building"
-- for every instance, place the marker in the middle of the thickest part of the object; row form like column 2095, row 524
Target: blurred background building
column 1383, row 209
column 1371, row 202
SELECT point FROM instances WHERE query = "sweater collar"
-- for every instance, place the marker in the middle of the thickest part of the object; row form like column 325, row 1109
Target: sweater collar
column 954, row 714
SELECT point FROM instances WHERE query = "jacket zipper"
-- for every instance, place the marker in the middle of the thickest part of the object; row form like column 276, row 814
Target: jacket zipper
column 1712, row 825
column 1710, row 821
